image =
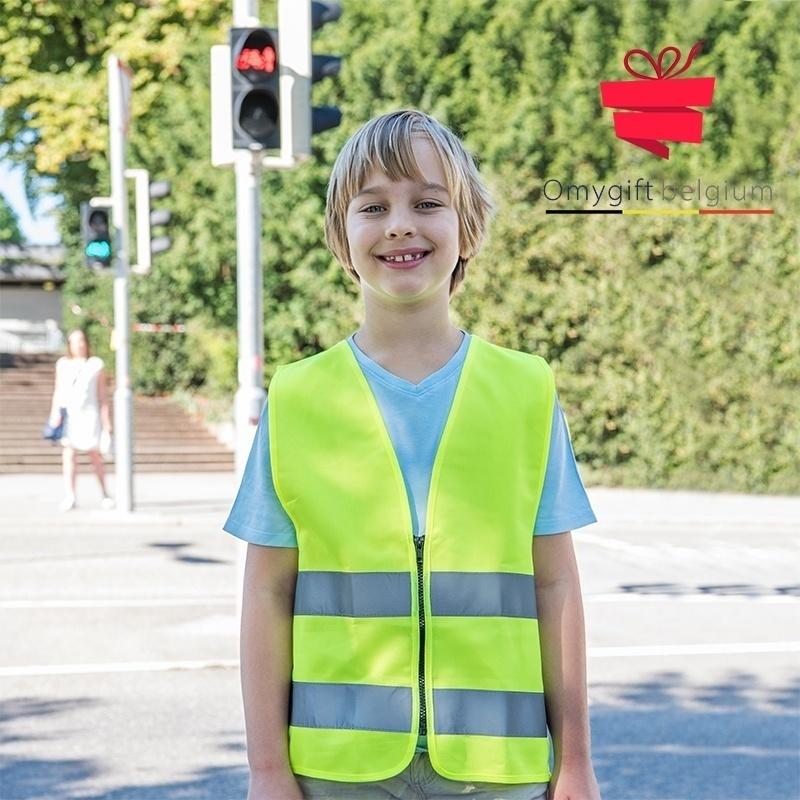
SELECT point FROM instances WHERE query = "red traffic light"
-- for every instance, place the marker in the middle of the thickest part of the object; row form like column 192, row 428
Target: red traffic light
column 255, row 60
column 255, row 88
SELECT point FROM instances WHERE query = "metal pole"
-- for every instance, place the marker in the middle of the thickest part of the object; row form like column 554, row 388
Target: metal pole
column 250, row 394
column 123, row 405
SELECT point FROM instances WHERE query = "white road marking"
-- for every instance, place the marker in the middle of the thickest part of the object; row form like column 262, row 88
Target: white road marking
column 704, row 552
column 116, row 602
column 707, row 648
column 681, row 594
column 130, row 666
column 233, row 663
column 690, row 595
column 694, row 750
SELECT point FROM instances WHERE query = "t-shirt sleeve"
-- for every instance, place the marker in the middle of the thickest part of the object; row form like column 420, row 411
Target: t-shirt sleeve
column 257, row 515
column 564, row 505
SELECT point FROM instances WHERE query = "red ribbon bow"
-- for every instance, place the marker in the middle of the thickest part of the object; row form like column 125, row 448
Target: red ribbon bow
column 651, row 113
column 658, row 64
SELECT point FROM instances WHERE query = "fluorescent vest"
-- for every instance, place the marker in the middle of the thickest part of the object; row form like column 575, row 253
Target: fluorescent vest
column 365, row 601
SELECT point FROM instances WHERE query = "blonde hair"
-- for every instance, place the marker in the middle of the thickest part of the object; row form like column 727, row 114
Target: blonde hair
column 86, row 338
column 385, row 142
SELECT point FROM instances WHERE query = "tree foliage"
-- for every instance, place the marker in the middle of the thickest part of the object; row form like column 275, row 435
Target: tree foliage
column 675, row 340
column 10, row 232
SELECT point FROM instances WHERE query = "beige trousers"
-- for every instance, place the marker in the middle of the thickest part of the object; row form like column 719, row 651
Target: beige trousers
column 418, row 781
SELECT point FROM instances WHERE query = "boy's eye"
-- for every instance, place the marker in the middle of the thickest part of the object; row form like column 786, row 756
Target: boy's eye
column 429, row 202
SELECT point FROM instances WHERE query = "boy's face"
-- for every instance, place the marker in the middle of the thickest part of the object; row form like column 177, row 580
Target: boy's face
column 404, row 215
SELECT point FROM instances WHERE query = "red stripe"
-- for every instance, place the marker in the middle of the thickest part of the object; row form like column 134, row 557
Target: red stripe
column 736, row 211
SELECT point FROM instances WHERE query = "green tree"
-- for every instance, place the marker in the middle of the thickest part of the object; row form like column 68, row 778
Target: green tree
column 10, row 232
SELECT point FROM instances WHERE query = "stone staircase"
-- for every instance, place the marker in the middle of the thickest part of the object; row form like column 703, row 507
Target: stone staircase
column 166, row 438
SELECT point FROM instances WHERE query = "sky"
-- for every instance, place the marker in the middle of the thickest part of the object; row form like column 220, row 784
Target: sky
column 42, row 229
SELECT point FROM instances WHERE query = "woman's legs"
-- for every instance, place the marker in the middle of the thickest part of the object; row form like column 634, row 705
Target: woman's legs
column 99, row 469
column 69, row 461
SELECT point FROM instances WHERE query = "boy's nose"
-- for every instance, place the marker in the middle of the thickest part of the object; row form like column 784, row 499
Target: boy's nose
column 400, row 228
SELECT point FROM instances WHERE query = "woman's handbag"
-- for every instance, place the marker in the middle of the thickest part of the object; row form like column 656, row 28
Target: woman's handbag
column 55, row 432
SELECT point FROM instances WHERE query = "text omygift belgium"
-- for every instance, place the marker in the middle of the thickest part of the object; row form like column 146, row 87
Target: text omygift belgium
column 646, row 190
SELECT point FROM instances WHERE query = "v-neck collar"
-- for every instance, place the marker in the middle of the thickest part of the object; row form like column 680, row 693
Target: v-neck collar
column 387, row 377
column 469, row 343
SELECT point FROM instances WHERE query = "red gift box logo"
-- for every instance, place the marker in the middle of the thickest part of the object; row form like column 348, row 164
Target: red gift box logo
column 655, row 107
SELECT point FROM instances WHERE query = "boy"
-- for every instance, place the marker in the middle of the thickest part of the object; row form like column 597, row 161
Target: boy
column 394, row 640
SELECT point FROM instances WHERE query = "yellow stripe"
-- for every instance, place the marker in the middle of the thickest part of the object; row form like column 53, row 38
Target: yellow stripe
column 659, row 211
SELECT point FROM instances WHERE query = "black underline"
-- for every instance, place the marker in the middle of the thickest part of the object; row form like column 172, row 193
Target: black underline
column 583, row 211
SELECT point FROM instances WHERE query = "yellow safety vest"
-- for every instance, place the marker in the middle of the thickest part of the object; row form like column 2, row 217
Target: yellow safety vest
column 383, row 637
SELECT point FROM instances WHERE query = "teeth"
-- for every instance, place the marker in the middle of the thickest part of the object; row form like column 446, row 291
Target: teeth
column 407, row 257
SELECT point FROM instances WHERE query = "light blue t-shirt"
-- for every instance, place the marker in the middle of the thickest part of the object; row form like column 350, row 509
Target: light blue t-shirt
column 415, row 415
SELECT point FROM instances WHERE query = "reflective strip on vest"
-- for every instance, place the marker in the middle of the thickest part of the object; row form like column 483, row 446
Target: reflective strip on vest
column 479, row 712
column 342, row 705
column 482, row 594
column 356, row 684
column 388, row 594
column 353, row 594
column 473, row 712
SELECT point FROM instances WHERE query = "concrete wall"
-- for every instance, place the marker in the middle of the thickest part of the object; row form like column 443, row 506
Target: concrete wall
column 32, row 303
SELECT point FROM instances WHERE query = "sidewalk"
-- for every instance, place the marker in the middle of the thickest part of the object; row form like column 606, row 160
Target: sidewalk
column 206, row 497
column 173, row 498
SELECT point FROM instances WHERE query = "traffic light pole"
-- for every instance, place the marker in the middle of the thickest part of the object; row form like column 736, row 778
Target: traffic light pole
column 118, row 94
column 250, row 394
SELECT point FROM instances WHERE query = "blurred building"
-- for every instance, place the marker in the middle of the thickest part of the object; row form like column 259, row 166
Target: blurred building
column 30, row 298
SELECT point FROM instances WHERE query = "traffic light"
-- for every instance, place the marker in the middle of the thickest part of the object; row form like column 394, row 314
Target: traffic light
column 255, row 88
column 324, row 118
column 258, row 57
column 159, row 217
column 148, row 218
column 96, row 236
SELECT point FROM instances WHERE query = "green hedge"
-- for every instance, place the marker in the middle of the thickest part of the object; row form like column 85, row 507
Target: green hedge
column 674, row 340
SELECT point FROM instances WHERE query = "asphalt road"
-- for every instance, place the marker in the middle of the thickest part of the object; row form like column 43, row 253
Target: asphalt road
column 119, row 666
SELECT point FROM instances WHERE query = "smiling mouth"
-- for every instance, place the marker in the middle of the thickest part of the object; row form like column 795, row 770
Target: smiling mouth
column 412, row 262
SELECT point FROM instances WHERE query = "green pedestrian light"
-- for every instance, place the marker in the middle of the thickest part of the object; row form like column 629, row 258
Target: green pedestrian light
column 96, row 235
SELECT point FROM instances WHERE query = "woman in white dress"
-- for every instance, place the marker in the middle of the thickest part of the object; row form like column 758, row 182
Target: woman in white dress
column 80, row 387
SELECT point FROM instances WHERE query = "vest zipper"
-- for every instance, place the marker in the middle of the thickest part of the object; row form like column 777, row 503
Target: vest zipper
column 419, row 542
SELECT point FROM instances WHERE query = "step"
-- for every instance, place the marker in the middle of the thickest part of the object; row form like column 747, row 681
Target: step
column 166, row 436
column 55, row 457
column 21, row 408
column 35, row 420
column 16, row 437
column 138, row 458
column 171, row 449
column 163, row 420
column 21, row 394
column 45, row 383
column 53, row 469
column 21, row 405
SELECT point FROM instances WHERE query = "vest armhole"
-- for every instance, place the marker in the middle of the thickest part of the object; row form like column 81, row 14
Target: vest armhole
column 550, row 399
column 274, row 439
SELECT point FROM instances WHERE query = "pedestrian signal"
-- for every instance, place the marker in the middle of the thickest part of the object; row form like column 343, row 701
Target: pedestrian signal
column 96, row 236
column 255, row 88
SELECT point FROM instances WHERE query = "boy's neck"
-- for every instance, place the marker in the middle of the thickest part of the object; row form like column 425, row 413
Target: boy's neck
column 408, row 342
column 413, row 356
